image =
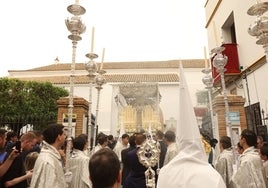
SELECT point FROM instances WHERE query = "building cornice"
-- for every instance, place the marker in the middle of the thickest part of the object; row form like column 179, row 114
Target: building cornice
column 110, row 78
column 188, row 63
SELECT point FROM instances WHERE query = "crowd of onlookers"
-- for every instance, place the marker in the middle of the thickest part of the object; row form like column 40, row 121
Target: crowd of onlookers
column 43, row 159
column 245, row 165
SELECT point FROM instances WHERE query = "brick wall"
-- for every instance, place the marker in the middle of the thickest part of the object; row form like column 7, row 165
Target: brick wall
column 236, row 104
column 80, row 109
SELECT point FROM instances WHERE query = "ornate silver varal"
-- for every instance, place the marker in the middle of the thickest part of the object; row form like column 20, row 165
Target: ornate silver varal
column 76, row 27
column 148, row 155
column 259, row 28
column 91, row 68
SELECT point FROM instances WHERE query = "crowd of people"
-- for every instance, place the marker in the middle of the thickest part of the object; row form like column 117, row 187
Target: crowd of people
column 40, row 160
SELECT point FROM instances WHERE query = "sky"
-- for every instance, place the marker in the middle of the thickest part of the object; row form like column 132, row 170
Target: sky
column 33, row 32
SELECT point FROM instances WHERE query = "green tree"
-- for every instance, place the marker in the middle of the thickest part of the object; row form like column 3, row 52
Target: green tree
column 28, row 102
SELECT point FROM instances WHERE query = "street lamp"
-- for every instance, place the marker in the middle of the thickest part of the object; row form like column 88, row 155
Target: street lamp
column 91, row 67
column 76, row 27
column 208, row 81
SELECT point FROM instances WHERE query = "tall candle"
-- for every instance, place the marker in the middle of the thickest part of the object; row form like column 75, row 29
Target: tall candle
column 205, row 55
column 102, row 59
column 215, row 33
column 76, row 2
column 92, row 39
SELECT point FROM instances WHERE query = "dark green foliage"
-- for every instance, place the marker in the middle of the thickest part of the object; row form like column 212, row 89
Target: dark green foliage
column 28, row 102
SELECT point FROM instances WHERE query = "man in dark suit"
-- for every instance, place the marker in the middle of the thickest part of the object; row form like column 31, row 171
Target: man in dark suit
column 136, row 177
column 111, row 142
column 163, row 147
column 126, row 166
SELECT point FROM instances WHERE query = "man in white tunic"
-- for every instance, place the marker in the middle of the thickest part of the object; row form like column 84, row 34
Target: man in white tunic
column 78, row 164
column 48, row 169
column 121, row 144
column 250, row 172
column 264, row 157
column 190, row 168
column 225, row 161
column 172, row 148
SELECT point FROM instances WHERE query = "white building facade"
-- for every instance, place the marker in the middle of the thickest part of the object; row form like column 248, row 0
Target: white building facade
column 227, row 22
column 162, row 73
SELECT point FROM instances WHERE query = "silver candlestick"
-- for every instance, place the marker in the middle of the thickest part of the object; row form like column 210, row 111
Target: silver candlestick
column 219, row 62
column 91, row 67
column 76, row 27
column 99, row 80
column 259, row 28
column 208, row 81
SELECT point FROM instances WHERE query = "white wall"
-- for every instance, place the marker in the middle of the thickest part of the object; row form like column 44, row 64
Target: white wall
column 169, row 101
column 258, row 87
column 248, row 51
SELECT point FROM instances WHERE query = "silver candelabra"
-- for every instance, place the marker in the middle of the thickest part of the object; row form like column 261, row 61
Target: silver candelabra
column 219, row 62
column 91, row 67
column 76, row 27
column 99, row 80
column 208, row 81
column 259, row 28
